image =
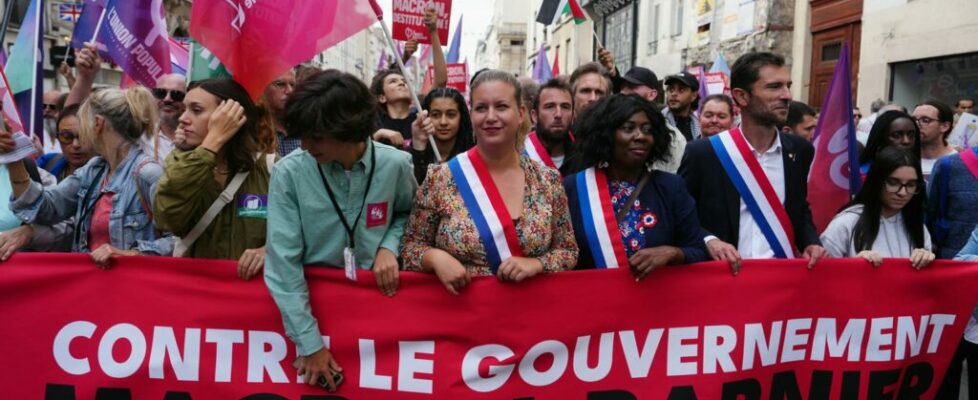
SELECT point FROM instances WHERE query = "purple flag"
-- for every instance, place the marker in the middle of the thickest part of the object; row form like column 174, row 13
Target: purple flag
column 85, row 26
column 834, row 176
column 135, row 36
column 541, row 70
column 453, row 49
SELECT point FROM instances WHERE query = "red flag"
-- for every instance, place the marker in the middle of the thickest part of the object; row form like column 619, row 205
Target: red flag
column 832, row 178
column 555, row 70
column 258, row 41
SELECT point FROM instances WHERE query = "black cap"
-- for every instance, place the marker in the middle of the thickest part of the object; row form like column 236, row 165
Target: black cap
column 685, row 78
column 639, row 76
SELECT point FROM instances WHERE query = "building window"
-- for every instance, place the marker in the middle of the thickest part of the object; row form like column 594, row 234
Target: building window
column 831, row 52
column 656, row 22
column 618, row 36
column 515, row 42
column 677, row 24
column 945, row 79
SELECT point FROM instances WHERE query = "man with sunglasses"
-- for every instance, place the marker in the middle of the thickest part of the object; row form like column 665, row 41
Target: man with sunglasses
column 51, row 110
column 169, row 92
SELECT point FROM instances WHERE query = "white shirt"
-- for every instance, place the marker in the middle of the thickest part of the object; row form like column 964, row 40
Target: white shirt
column 927, row 164
column 751, row 242
column 148, row 144
column 558, row 161
column 892, row 240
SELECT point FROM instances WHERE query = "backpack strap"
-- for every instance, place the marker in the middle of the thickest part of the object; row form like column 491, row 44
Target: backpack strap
column 226, row 196
column 139, row 188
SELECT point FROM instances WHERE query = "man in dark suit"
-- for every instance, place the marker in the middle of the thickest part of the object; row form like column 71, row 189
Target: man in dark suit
column 760, row 84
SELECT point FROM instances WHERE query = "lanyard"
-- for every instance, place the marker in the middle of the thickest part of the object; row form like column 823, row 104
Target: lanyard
column 336, row 206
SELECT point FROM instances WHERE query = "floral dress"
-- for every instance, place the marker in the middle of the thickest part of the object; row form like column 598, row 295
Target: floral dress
column 441, row 220
column 633, row 226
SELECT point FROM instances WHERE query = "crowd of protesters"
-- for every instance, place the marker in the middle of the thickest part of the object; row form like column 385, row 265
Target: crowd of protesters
column 515, row 181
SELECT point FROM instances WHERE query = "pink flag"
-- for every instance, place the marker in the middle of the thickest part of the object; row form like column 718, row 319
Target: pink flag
column 258, row 41
column 832, row 180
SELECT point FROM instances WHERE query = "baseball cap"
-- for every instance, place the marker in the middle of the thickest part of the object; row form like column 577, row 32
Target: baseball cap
column 684, row 78
column 639, row 76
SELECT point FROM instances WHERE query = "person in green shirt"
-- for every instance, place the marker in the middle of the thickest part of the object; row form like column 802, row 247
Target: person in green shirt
column 216, row 139
column 340, row 201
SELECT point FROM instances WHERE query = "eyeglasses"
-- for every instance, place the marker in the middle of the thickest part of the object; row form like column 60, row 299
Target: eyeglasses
column 281, row 84
column 67, row 137
column 629, row 127
column 893, row 185
column 176, row 95
column 924, row 120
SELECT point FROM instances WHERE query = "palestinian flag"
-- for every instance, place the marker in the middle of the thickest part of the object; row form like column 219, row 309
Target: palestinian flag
column 552, row 10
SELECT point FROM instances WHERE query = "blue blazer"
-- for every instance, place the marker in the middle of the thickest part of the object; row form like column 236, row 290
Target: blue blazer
column 665, row 195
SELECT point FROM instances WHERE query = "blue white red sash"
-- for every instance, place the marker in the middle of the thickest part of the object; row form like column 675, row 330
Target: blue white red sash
column 756, row 190
column 970, row 159
column 533, row 149
column 598, row 217
column 484, row 203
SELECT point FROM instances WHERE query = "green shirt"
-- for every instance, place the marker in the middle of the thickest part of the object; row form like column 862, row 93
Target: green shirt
column 304, row 228
column 187, row 189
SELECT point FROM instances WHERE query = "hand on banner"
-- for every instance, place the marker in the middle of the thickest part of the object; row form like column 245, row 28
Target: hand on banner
column 7, row 143
column 608, row 61
column 518, row 269
column 223, row 125
column 394, row 138
column 320, row 363
column 87, row 62
column 431, row 19
column 723, row 251
column 813, row 253
column 873, row 257
column 103, row 255
column 14, row 239
column 251, row 262
column 385, row 269
column 647, row 260
column 449, row 271
column 920, row 258
column 421, row 129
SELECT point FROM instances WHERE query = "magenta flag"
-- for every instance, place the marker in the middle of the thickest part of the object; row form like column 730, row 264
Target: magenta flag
column 135, row 36
column 832, row 180
column 258, row 41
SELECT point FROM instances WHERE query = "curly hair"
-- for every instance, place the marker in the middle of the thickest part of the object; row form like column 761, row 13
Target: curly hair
column 331, row 103
column 596, row 131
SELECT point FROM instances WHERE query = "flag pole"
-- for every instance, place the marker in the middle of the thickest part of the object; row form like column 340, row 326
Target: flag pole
column 596, row 38
column 6, row 18
column 98, row 26
column 37, row 60
column 190, row 62
column 408, row 78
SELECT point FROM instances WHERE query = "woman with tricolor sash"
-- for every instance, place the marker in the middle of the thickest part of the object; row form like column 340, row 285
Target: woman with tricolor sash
column 490, row 211
column 886, row 218
column 625, row 213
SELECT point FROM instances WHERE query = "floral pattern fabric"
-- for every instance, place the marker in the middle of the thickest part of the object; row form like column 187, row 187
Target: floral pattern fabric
column 441, row 220
column 633, row 226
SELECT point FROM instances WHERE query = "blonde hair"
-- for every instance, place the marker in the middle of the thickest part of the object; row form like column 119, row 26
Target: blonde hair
column 132, row 112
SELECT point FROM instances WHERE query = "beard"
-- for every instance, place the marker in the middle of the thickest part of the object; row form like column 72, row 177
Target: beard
column 169, row 122
column 762, row 114
column 551, row 136
column 50, row 126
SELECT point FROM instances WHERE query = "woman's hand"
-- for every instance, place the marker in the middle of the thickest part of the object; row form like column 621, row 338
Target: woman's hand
column 647, row 260
column 223, row 125
column 421, row 129
column 723, row 251
column 920, row 258
column 251, row 263
column 518, row 269
column 103, row 255
column 14, row 239
column 873, row 257
column 449, row 271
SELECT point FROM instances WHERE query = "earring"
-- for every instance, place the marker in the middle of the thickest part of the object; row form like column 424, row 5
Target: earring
column 602, row 165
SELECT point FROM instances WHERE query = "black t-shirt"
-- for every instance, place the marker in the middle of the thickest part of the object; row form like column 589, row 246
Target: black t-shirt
column 685, row 125
column 401, row 125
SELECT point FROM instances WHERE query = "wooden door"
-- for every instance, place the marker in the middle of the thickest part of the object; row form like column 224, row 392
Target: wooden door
column 826, row 48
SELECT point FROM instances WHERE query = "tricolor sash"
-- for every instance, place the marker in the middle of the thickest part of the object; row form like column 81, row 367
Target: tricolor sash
column 484, row 203
column 756, row 190
column 598, row 217
column 533, row 149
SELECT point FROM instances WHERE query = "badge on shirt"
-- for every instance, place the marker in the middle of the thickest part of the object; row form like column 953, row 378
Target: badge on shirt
column 252, row 205
column 376, row 214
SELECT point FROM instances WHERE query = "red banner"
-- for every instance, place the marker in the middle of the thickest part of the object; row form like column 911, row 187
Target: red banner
column 458, row 77
column 155, row 328
column 408, row 20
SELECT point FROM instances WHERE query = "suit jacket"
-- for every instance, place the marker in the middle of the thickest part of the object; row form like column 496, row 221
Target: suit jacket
column 718, row 202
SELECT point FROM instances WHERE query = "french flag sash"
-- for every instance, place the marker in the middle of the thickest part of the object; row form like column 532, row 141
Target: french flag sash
column 484, row 203
column 756, row 190
column 600, row 224
column 533, row 149
column 970, row 159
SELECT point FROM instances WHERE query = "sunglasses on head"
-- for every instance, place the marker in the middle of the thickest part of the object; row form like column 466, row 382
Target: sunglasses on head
column 67, row 137
column 176, row 95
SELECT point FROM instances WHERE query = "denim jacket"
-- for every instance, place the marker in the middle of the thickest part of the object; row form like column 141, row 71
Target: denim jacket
column 130, row 221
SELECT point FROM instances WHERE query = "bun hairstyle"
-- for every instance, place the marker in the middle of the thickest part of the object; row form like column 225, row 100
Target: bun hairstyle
column 131, row 112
